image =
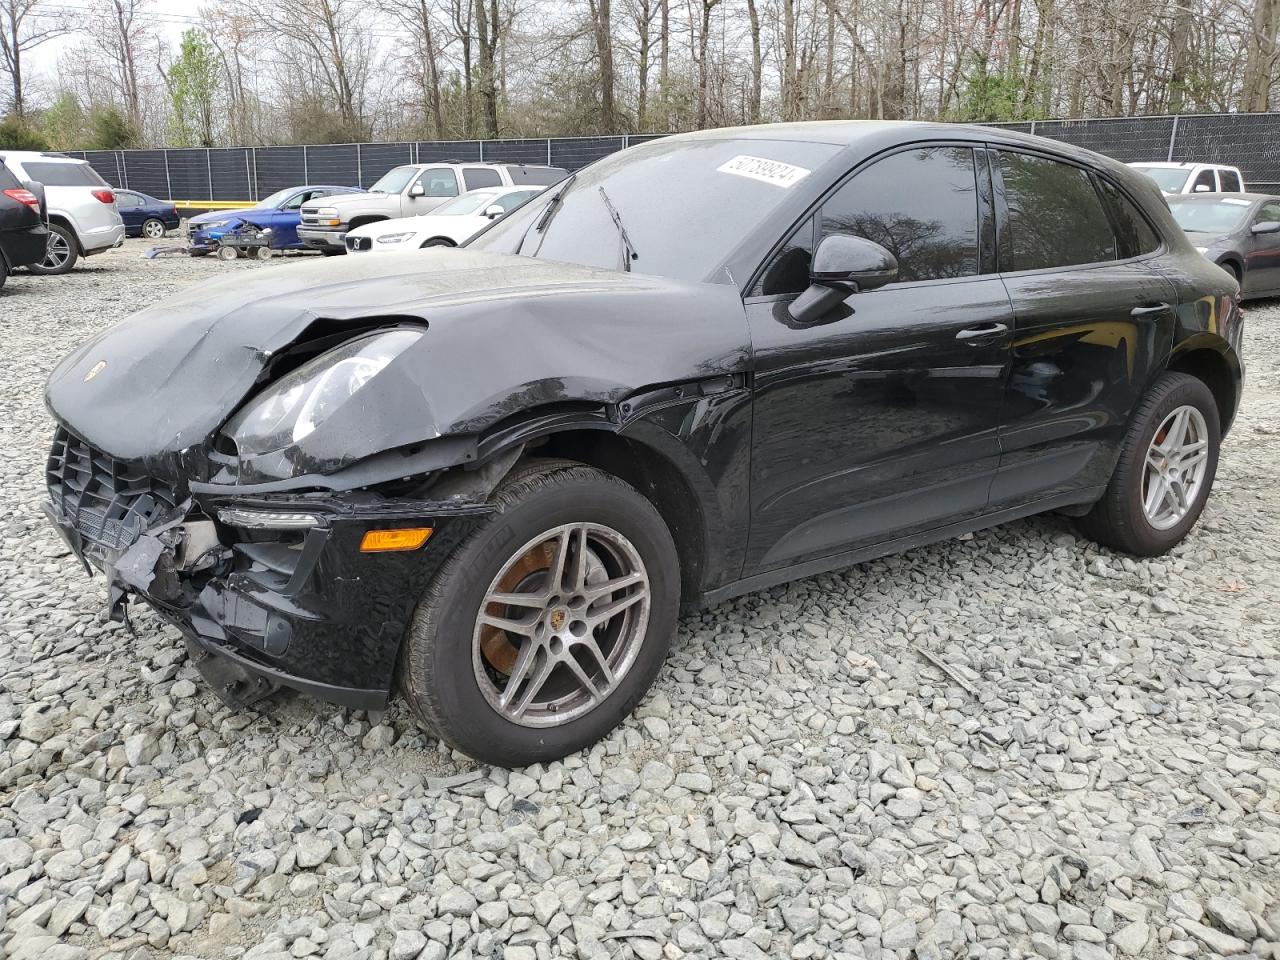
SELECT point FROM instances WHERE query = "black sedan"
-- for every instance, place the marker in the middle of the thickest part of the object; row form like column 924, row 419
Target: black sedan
column 24, row 237
column 1240, row 232
column 490, row 477
column 145, row 216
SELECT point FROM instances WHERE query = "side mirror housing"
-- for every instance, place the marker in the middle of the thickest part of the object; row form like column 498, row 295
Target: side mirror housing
column 494, row 211
column 1202, row 188
column 842, row 265
column 417, row 190
column 1266, row 226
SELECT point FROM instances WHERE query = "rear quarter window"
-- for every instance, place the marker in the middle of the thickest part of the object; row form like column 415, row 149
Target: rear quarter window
column 63, row 174
column 1134, row 234
column 7, row 180
column 538, row 176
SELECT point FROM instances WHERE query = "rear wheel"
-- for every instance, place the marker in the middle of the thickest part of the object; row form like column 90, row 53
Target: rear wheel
column 547, row 625
column 61, row 254
column 4, row 271
column 1165, row 471
column 228, row 253
column 153, row 229
column 264, row 253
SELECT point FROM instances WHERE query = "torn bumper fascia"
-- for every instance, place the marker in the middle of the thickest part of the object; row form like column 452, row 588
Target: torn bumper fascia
column 302, row 608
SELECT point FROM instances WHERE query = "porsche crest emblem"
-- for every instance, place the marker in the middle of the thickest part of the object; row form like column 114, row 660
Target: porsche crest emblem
column 96, row 369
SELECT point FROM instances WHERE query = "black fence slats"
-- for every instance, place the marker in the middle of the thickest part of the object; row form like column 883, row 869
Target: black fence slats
column 247, row 174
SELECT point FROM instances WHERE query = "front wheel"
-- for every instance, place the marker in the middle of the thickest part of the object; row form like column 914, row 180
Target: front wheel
column 547, row 625
column 153, row 229
column 60, row 255
column 438, row 242
column 1165, row 471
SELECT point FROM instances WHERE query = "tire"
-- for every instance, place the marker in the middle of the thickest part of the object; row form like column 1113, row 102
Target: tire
column 264, row 253
column 4, row 272
column 438, row 242
column 333, row 253
column 447, row 663
column 1121, row 519
column 63, row 253
column 153, row 229
column 228, row 254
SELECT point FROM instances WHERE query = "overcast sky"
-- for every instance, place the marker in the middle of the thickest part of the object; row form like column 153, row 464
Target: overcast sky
column 168, row 18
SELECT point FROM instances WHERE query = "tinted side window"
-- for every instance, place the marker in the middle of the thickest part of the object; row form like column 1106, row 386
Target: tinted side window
column 7, row 180
column 477, row 177
column 1270, row 213
column 921, row 205
column 439, row 183
column 127, row 201
column 1134, row 235
column 1204, row 179
column 53, row 174
column 1055, row 215
column 788, row 271
column 510, row 201
column 1230, row 181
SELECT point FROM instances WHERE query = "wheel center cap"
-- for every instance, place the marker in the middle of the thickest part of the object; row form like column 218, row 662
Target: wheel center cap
column 559, row 617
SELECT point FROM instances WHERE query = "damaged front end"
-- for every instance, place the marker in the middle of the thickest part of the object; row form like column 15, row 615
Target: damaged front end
column 268, row 590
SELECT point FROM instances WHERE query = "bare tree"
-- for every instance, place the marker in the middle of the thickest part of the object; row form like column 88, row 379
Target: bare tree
column 24, row 25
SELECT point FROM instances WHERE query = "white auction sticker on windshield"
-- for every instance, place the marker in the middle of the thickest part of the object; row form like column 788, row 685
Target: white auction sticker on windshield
column 767, row 171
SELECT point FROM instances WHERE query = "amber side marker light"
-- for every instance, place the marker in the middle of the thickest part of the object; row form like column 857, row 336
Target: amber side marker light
column 386, row 541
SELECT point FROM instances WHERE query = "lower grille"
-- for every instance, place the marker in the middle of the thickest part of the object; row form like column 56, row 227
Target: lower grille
column 109, row 502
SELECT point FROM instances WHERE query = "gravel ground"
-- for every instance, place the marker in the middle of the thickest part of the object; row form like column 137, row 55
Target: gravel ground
column 1010, row 745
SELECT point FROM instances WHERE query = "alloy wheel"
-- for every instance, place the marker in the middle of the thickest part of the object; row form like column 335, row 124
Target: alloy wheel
column 154, row 229
column 1175, row 467
column 57, row 253
column 561, row 625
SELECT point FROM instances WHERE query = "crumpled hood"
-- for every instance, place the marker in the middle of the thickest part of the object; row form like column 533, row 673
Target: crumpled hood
column 213, row 216
column 503, row 333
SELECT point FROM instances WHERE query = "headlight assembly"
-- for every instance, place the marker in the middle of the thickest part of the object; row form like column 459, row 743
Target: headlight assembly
column 396, row 237
column 1202, row 250
column 289, row 410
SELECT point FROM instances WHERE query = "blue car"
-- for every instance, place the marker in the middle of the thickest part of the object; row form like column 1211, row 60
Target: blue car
column 144, row 215
column 281, row 212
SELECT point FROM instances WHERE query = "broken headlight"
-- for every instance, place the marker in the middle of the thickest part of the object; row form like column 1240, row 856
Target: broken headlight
column 289, row 410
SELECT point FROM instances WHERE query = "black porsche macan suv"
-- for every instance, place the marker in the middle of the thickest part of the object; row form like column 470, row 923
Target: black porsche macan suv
column 489, row 477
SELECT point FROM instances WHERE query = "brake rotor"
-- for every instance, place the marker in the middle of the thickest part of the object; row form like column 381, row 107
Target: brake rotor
column 495, row 644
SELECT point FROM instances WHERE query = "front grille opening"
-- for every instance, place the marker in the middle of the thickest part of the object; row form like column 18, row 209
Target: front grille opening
column 110, row 502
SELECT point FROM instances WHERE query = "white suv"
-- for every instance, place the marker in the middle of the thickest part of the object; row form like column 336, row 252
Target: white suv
column 410, row 191
column 1174, row 178
column 83, row 218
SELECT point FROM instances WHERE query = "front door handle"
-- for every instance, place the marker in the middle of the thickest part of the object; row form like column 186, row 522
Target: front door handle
column 982, row 330
column 1149, row 311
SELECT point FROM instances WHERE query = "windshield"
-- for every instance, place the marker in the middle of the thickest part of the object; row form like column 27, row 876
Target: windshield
column 1168, row 179
column 467, row 203
column 277, row 198
column 394, row 180
column 1213, row 216
column 685, row 205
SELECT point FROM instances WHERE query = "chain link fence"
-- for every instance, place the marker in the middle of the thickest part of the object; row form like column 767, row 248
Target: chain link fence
column 239, row 174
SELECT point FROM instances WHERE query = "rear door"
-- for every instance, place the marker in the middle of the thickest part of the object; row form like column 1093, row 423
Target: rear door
column 1091, row 320
column 883, row 421
column 131, row 208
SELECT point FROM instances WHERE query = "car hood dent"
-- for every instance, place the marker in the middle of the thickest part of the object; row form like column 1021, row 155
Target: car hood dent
column 213, row 216
column 504, row 334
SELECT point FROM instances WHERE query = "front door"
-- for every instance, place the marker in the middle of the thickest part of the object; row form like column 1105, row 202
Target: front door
column 883, row 421
column 1092, row 316
column 433, row 187
column 1262, row 268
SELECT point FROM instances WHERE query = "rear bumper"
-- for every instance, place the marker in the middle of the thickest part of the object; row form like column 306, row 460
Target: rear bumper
column 314, row 239
column 101, row 238
column 21, row 248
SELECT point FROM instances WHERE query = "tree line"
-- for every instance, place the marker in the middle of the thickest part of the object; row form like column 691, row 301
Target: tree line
column 327, row 71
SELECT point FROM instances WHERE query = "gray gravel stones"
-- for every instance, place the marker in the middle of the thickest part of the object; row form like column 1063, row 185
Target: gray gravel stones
column 1011, row 745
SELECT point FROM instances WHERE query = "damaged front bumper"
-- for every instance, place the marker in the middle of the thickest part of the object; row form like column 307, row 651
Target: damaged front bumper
column 274, row 590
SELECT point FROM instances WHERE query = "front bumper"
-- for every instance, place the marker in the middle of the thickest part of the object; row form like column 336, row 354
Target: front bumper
column 322, row 239
column 262, row 608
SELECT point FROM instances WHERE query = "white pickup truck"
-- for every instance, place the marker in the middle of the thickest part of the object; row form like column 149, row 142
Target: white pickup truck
column 409, row 191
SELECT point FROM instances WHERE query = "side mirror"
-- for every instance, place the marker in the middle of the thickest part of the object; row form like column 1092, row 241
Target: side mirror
column 1202, row 188
column 417, row 190
column 1265, row 226
column 842, row 265
column 494, row 211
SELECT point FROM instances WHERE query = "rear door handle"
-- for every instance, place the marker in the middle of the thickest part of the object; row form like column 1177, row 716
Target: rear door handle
column 982, row 330
column 1149, row 311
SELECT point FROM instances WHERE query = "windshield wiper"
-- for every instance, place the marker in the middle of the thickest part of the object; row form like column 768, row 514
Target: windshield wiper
column 549, row 211
column 628, row 250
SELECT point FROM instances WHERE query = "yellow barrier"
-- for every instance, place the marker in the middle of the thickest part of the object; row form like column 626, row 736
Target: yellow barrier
column 211, row 204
